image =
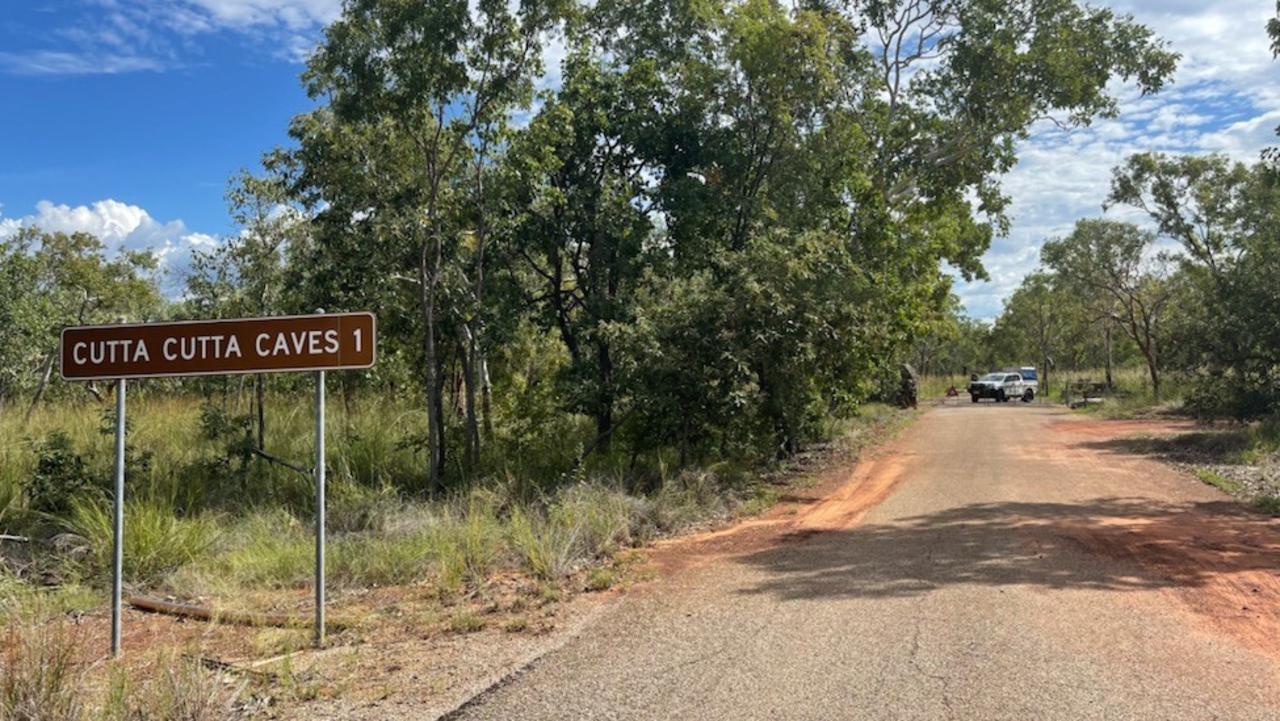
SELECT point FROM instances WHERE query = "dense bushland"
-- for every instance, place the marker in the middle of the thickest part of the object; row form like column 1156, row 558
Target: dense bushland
column 607, row 288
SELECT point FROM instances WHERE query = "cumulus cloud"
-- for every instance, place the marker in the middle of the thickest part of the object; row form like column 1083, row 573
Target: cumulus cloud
column 122, row 226
column 1224, row 99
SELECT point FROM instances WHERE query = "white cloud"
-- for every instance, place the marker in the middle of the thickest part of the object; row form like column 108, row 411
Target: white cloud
column 122, row 226
column 296, row 14
column 53, row 62
column 118, row 36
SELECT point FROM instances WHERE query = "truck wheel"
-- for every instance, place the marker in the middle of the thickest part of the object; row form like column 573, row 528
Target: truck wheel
column 1000, row 396
column 974, row 397
column 1029, row 396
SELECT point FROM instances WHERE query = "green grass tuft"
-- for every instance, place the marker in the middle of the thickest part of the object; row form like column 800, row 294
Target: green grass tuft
column 156, row 542
column 1219, row 481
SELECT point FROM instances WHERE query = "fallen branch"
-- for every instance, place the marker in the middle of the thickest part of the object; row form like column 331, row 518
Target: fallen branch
column 15, row 539
column 280, row 461
column 239, row 618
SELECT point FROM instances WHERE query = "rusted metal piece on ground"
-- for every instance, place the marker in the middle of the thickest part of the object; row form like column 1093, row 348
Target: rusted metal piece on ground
column 239, row 618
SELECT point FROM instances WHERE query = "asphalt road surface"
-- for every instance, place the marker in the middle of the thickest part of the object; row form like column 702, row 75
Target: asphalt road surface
column 995, row 562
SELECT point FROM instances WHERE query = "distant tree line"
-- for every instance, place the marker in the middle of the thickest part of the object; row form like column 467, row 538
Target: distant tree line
column 719, row 224
column 1193, row 293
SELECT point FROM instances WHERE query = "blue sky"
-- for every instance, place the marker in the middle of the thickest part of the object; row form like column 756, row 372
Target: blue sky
column 126, row 117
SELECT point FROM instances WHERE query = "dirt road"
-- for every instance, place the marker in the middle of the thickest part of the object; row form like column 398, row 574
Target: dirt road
column 996, row 562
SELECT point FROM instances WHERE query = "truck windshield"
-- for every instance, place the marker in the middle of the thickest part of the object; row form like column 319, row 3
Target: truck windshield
column 993, row 377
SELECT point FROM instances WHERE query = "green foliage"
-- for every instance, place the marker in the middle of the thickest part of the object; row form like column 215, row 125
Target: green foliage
column 1225, row 217
column 1268, row 504
column 51, row 280
column 61, row 476
column 676, row 216
column 1107, row 265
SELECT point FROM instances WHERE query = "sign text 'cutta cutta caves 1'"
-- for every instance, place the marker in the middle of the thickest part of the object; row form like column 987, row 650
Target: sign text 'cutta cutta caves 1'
column 253, row 345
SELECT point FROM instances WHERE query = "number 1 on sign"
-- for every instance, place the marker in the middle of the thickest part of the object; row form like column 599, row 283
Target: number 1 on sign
column 358, row 344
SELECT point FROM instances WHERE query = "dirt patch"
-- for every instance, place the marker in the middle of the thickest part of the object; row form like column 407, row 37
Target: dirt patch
column 1222, row 559
column 1225, row 566
column 838, row 501
column 1090, row 427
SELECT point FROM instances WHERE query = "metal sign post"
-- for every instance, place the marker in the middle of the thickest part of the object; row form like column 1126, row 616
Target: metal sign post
column 317, row 343
column 320, row 504
column 319, row 634
column 117, row 533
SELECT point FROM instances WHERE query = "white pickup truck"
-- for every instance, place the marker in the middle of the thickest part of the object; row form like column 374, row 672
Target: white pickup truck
column 1002, row 386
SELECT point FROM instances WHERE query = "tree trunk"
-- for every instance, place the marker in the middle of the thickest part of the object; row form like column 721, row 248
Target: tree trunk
column 604, row 401
column 435, row 405
column 259, row 392
column 1154, row 370
column 472, row 447
column 46, row 371
column 1106, row 335
column 486, row 397
column 1045, row 388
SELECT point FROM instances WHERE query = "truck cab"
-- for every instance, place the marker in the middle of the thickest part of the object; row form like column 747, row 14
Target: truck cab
column 1001, row 386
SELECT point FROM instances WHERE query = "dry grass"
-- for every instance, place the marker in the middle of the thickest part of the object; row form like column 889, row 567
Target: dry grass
column 45, row 678
column 41, row 679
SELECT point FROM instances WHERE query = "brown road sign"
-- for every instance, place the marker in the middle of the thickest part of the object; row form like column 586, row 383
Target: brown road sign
column 329, row 341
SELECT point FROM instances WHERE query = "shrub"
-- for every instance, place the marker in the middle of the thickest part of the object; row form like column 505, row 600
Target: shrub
column 1268, row 504
column 1222, row 395
column 61, row 475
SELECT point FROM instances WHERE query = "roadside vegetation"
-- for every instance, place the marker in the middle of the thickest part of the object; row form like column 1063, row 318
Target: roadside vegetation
column 609, row 305
column 195, row 530
column 462, row 556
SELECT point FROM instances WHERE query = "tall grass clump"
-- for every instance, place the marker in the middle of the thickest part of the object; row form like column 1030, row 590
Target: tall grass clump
column 179, row 690
column 19, row 599
column 546, row 544
column 466, row 541
column 364, row 560
column 604, row 515
column 41, row 680
column 156, row 542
